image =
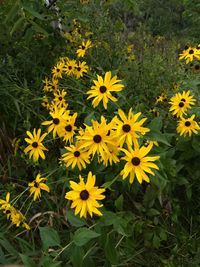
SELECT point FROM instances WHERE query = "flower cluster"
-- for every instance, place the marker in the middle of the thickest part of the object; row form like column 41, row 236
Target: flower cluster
column 107, row 141
column 180, row 104
column 190, row 54
column 14, row 215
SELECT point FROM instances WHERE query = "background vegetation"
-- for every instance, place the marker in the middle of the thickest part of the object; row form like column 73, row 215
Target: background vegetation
column 155, row 224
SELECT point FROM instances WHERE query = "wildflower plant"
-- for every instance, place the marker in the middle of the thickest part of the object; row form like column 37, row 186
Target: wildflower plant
column 114, row 149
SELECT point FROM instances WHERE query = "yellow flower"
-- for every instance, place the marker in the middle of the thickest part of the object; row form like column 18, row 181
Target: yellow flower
column 187, row 126
column 5, row 204
column 81, row 69
column 102, row 89
column 54, row 85
column 46, row 85
column 59, row 99
column 138, row 164
column 58, row 69
column 83, row 48
column 96, row 138
column 37, row 185
column 45, row 102
column 151, row 142
column 84, row 196
column 129, row 128
column 111, row 158
column 180, row 103
column 130, row 48
column 59, row 118
column 161, row 98
column 76, row 156
column 67, row 129
column 18, row 218
column 35, row 147
column 70, row 67
column 176, row 86
column 190, row 54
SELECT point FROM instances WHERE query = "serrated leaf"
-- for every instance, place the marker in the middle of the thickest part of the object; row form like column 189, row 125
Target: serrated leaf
column 84, row 235
column 49, row 237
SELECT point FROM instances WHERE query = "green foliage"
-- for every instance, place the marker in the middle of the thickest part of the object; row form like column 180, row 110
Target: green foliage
column 154, row 224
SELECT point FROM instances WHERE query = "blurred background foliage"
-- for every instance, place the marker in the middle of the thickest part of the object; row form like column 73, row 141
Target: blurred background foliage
column 152, row 225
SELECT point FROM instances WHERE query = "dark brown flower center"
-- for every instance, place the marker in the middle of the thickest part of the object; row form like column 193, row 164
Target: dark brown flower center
column 126, row 128
column 60, row 98
column 135, row 161
column 83, row 47
column 191, row 51
column 68, row 128
column 187, row 123
column 181, row 104
column 53, row 87
column 84, row 195
column 102, row 89
column 58, row 70
column 77, row 154
column 34, row 144
column 69, row 67
column 56, row 121
column 97, row 138
column 78, row 69
column 36, row 184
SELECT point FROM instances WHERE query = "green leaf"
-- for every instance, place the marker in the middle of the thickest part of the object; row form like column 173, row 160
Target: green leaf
column 49, row 237
column 33, row 12
column 84, row 235
column 155, row 124
column 77, row 256
column 8, row 247
column 28, row 262
column 109, row 183
column 119, row 202
column 153, row 212
column 110, row 251
column 17, row 106
column 158, row 136
column 49, row 262
column 2, row 257
column 89, row 118
column 17, row 25
column 38, row 28
column 13, row 12
column 74, row 220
